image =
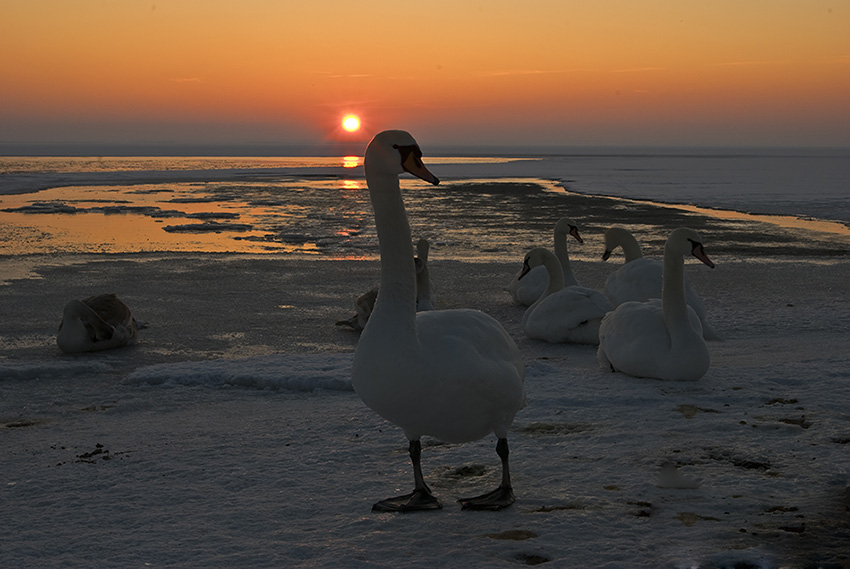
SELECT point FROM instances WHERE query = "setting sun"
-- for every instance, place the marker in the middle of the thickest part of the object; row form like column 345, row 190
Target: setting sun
column 351, row 123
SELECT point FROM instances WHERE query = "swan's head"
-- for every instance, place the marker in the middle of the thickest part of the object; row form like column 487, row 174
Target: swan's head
column 684, row 241
column 536, row 257
column 614, row 237
column 567, row 226
column 393, row 152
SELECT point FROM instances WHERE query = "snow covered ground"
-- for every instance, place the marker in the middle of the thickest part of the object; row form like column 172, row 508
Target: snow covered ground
column 230, row 436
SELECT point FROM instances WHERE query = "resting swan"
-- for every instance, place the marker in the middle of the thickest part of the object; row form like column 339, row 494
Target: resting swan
column 659, row 338
column 96, row 323
column 452, row 374
column 562, row 314
column 528, row 289
column 639, row 278
column 425, row 297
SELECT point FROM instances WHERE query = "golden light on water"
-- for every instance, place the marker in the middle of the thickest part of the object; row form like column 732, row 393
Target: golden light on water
column 351, row 161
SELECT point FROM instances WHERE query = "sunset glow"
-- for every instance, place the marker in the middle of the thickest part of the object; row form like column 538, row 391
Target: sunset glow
column 572, row 73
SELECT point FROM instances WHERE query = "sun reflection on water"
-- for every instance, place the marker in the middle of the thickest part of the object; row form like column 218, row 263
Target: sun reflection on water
column 351, row 161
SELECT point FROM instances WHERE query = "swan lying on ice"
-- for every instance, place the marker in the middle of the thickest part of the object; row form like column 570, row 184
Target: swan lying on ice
column 96, row 323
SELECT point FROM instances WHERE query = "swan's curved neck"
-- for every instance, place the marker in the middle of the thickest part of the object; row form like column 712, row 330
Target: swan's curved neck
column 631, row 248
column 397, row 296
column 563, row 255
column 673, row 294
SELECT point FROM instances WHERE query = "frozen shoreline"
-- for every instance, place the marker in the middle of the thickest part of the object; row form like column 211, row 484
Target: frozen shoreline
column 202, row 469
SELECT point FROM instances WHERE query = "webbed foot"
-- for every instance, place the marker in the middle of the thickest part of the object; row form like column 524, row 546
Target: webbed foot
column 498, row 499
column 418, row 500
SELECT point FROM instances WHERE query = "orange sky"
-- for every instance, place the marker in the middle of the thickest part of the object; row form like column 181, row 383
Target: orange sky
column 562, row 72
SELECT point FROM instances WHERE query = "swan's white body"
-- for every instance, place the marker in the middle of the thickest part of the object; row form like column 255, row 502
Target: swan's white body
column 96, row 323
column 659, row 338
column 530, row 287
column 562, row 314
column 639, row 278
column 452, row 374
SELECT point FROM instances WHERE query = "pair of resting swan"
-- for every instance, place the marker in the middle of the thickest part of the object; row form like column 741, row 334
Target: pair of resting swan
column 527, row 286
column 452, row 374
column 659, row 338
column 564, row 311
column 96, row 323
column 640, row 278
column 425, row 297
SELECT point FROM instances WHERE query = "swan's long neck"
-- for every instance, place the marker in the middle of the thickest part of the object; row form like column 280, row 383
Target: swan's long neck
column 673, row 295
column 563, row 255
column 397, row 296
column 556, row 281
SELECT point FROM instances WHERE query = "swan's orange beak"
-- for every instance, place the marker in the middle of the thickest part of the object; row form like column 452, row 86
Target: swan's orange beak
column 413, row 164
column 700, row 254
column 574, row 232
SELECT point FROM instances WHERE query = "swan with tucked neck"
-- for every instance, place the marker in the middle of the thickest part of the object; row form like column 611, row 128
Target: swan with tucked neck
column 659, row 338
column 455, row 375
column 96, row 323
column 525, row 288
column 639, row 278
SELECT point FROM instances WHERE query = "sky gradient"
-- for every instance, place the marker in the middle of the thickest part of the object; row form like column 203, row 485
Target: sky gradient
column 561, row 72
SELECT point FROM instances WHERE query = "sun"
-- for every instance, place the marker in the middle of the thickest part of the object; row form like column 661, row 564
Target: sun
column 351, row 123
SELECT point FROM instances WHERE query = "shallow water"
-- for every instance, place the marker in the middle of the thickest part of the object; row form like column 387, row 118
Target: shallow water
column 488, row 208
column 330, row 217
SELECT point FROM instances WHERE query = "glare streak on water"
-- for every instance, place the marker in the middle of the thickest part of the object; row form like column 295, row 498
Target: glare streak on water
column 79, row 164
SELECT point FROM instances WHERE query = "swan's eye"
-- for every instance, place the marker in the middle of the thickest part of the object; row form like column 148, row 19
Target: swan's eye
column 407, row 150
column 696, row 247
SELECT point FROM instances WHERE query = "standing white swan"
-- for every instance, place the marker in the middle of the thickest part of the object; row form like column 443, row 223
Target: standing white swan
column 529, row 288
column 562, row 314
column 639, row 278
column 96, row 323
column 452, row 374
column 659, row 338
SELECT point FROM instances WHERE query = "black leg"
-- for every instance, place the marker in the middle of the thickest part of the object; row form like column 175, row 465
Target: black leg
column 421, row 498
column 501, row 497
